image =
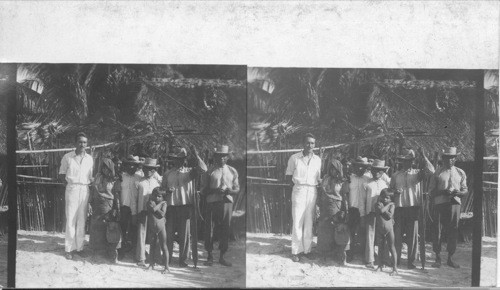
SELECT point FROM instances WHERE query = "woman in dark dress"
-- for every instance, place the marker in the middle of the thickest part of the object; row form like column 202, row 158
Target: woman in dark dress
column 332, row 203
column 105, row 212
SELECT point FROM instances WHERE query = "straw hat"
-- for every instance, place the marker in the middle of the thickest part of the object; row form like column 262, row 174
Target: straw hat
column 150, row 163
column 450, row 151
column 131, row 159
column 407, row 154
column 379, row 164
column 222, row 149
column 361, row 161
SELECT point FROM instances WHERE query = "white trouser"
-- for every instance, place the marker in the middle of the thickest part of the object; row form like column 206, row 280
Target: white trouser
column 303, row 209
column 77, row 199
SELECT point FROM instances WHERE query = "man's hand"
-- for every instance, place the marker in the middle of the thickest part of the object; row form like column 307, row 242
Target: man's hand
column 379, row 205
column 399, row 191
column 89, row 211
column 446, row 192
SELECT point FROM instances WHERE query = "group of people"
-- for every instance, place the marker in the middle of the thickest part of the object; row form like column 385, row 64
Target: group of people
column 137, row 205
column 368, row 207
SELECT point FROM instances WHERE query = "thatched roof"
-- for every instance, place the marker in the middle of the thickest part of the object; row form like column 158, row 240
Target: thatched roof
column 166, row 110
column 432, row 118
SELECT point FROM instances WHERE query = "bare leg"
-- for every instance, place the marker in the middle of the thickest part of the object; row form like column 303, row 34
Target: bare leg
column 154, row 241
column 392, row 248
column 381, row 246
column 163, row 244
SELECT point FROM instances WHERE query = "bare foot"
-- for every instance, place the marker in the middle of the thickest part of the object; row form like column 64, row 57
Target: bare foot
column 394, row 273
column 379, row 269
column 151, row 267
column 165, row 271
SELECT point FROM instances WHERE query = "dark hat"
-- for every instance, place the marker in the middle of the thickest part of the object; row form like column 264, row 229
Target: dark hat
column 178, row 152
column 379, row 164
column 131, row 159
column 361, row 161
column 150, row 163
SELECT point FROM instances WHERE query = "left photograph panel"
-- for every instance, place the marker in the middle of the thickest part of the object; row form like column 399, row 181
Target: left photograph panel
column 130, row 176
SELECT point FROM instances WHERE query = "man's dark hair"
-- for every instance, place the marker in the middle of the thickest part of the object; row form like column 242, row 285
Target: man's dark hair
column 80, row 134
column 308, row 135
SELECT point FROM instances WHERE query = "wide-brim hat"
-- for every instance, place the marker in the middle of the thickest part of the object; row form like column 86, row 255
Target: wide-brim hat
column 361, row 161
column 406, row 154
column 222, row 149
column 178, row 152
column 450, row 151
column 150, row 163
column 131, row 159
column 379, row 164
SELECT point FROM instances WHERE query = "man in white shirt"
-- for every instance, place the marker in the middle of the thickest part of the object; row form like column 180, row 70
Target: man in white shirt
column 76, row 171
column 357, row 203
column 406, row 183
column 144, row 190
column 373, row 189
column 303, row 173
column 128, row 193
column 180, row 188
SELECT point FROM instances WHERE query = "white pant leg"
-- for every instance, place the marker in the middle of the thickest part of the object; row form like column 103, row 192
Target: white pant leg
column 310, row 211
column 81, row 218
column 298, row 210
column 71, row 201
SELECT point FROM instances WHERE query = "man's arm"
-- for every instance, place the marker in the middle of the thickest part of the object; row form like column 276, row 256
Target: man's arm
column 426, row 167
column 201, row 167
column 463, row 185
column 63, row 169
column 236, row 184
column 289, row 170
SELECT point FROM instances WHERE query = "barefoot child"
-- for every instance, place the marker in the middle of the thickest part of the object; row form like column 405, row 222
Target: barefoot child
column 385, row 227
column 332, row 203
column 157, row 207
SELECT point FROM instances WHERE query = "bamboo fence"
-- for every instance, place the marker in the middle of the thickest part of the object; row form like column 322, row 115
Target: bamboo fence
column 269, row 196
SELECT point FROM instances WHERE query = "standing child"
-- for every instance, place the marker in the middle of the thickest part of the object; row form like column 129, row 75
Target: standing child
column 157, row 208
column 385, row 227
column 332, row 204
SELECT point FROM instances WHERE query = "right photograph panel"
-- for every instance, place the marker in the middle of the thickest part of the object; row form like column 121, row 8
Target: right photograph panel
column 364, row 177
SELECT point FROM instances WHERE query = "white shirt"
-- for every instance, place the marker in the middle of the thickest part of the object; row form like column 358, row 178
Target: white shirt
column 305, row 170
column 144, row 190
column 78, row 170
column 129, row 191
column 373, row 189
column 357, row 192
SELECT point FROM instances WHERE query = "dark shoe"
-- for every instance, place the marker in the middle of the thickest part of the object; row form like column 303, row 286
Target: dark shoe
column 411, row 266
column 452, row 264
column 437, row 264
column 68, row 256
column 183, row 265
column 295, row 258
column 82, row 254
column 210, row 260
column 224, row 262
column 310, row 256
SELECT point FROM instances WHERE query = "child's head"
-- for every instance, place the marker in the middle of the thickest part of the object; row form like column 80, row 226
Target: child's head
column 158, row 194
column 387, row 195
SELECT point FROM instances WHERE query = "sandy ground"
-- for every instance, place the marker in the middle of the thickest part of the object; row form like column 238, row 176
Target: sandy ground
column 269, row 265
column 3, row 261
column 41, row 263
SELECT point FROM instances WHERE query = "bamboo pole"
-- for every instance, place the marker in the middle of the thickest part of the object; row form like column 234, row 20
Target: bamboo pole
column 261, row 178
column 61, row 149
